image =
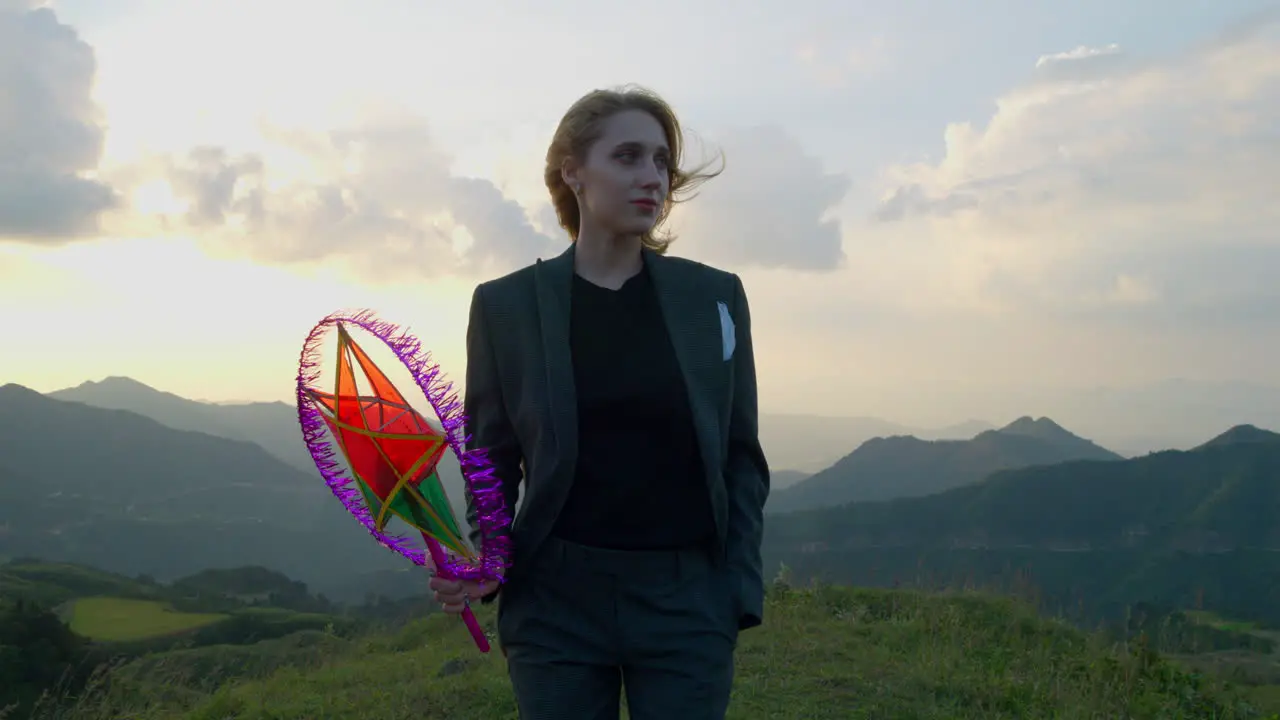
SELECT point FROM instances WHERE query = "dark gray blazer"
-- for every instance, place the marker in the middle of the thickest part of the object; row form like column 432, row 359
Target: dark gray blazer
column 520, row 402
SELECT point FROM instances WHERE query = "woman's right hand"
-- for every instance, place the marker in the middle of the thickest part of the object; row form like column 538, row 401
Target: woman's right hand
column 453, row 595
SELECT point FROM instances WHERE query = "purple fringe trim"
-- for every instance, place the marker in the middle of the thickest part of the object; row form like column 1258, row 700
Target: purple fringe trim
column 493, row 519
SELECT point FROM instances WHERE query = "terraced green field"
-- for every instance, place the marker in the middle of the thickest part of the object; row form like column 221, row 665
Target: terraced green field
column 112, row 619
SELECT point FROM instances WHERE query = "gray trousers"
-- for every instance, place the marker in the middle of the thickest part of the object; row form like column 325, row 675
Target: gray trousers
column 580, row 624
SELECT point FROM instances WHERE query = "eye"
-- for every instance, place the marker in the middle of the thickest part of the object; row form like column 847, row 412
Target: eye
column 627, row 156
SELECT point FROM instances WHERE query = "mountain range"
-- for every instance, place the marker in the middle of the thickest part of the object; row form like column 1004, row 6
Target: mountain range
column 809, row 443
column 272, row 426
column 803, row 440
column 797, row 445
column 123, row 492
column 137, row 480
column 1169, row 414
column 884, row 468
column 167, row 486
column 1184, row 528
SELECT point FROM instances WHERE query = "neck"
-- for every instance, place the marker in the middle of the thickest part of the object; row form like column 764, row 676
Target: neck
column 607, row 259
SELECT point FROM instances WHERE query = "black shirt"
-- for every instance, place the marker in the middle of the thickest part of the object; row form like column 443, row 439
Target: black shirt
column 640, row 482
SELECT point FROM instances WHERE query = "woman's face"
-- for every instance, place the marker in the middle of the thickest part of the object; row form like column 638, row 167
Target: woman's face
column 625, row 177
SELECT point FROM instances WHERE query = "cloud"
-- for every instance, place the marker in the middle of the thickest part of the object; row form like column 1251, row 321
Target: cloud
column 1105, row 184
column 835, row 63
column 50, row 134
column 1081, row 63
column 548, row 223
column 769, row 208
column 502, row 234
column 380, row 195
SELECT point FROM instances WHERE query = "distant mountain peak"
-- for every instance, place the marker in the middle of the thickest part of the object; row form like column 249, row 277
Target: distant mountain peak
column 1042, row 428
column 116, row 382
column 125, row 379
column 1027, row 424
column 1243, row 435
column 16, row 390
column 120, row 392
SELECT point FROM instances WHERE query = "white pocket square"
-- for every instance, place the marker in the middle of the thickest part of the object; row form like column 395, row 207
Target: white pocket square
column 728, row 334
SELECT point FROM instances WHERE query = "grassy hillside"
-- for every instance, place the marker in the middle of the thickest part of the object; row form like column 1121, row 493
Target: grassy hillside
column 59, row 621
column 53, row 583
column 135, row 615
column 824, row 653
column 1258, row 672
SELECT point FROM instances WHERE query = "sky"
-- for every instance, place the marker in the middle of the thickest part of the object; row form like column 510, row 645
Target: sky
column 935, row 207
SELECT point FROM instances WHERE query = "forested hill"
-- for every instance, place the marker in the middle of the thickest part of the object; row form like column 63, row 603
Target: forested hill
column 906, row 466
column 119, row 491
column 1222, row 495
column 1197, row 528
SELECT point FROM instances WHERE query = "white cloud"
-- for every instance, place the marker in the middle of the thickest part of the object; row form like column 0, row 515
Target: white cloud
column 381, row 196
column 769, row 208
column 1104, row 183
column 1081, row 52
column 50, row 130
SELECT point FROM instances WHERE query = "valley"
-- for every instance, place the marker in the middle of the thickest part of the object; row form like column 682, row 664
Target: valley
column 168, row 540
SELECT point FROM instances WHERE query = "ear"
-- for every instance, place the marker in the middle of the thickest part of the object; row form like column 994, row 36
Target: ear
column 570, row 170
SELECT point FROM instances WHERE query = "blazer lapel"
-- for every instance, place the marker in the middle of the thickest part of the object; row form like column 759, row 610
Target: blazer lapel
column 693, row 324
column 554, row 280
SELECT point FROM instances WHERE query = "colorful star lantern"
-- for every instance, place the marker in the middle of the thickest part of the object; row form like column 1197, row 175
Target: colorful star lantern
column 393, row 453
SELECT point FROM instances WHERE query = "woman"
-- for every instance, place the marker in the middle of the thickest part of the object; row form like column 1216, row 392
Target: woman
column 620, row 385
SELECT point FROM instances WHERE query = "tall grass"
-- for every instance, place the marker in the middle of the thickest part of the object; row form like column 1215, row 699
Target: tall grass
column 824, row 652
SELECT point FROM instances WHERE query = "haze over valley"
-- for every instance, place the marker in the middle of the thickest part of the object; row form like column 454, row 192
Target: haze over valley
column 133, row 479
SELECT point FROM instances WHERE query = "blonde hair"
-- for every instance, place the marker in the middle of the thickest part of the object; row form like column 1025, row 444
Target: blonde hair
column 583, row 125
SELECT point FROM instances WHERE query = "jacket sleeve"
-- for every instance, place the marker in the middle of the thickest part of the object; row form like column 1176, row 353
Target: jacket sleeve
column 746, row 473
column 488, row 425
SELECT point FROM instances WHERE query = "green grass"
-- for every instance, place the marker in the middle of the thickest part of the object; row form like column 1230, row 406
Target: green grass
column 273, row 613
column 1257, row 674
column 1239, row 626
column 181, row 678
column 823, row 653
column 109, row 619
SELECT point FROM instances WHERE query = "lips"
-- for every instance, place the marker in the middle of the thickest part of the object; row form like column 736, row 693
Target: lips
column 647, row 204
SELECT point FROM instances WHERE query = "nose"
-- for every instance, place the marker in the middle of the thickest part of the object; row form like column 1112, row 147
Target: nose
column 651, row 178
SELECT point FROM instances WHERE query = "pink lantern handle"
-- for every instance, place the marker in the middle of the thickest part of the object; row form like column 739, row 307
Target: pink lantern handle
column 437, row 559
column 477, row 633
